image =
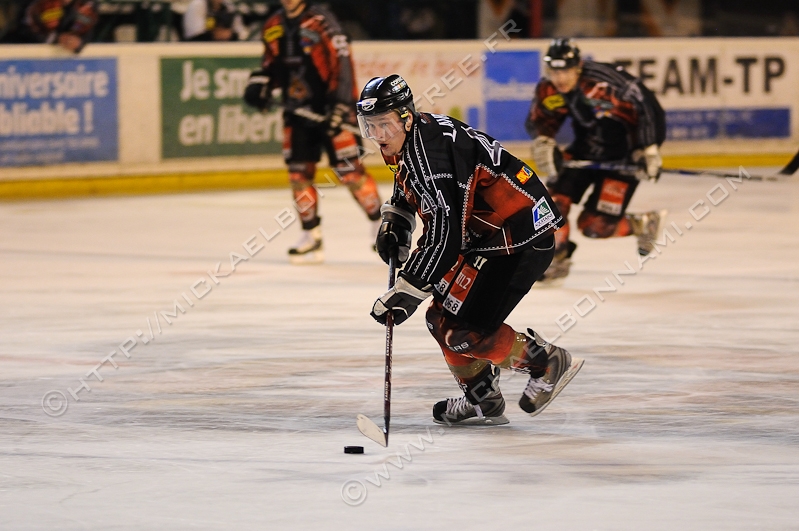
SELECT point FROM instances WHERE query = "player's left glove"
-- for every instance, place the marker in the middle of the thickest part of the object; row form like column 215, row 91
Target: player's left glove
column 257, row 93
column 401, row 300
column 650, row 161
column 336, row 119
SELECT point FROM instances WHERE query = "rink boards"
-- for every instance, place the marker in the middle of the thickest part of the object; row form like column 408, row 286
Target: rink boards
column 144, row 117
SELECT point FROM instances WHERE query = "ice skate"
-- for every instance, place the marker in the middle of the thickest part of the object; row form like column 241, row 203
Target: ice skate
column 558, row 270
column 488, row 411
column 647, row 227
column 540, row 392
column 308, row 249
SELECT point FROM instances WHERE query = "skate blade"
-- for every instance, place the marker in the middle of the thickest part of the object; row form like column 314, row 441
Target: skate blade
column 574, row 368
column 314, row 257
column 474, row 421
column 371, row 430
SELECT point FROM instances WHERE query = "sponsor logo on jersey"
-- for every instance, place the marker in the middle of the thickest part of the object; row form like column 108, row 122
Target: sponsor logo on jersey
column 51, row 15
column 542, row 214
column 553, row 102
column 273, row 33
column 308, row 38
column 524, row 174
column 611, row 198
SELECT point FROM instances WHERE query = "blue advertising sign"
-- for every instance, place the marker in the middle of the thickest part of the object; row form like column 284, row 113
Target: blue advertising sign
column 58, row 110
column 508, row 88
column 708, row 124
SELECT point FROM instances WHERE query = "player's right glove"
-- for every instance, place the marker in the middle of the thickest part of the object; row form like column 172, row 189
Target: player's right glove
column 395, row 233
column 257, row 93
column 547, row 156
column 401, row 300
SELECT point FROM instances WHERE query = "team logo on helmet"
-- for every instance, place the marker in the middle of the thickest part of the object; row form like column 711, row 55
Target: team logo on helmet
column 368, row 104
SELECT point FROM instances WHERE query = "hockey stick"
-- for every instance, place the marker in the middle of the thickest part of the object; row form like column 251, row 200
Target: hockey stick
column 308, row 114
column 365, row 424
column 788, row 170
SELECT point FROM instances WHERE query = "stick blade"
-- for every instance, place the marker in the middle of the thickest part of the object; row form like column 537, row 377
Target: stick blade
column 792, row 166
column 372, row 430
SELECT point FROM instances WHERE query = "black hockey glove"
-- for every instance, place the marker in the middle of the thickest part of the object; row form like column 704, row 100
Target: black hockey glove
column 257, row 94
column 337, row 117
column 395, row 233
column 402, row 300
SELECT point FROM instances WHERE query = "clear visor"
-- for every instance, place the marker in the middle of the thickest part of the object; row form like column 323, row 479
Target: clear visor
column 381, row 127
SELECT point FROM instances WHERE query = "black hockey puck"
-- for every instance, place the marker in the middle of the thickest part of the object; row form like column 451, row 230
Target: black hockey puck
column 353, row 449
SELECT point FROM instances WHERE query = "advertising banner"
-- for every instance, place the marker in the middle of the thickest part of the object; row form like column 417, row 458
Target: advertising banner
column 203, row 114
column 714, row 89
column 711, row 89
column 54, row 111
column 508, row 85
column 446, row 79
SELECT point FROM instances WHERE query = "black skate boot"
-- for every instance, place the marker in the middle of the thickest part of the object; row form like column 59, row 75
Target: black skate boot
column 542, row 389
column 647, row 228
column 481, row 404
column 558, row 270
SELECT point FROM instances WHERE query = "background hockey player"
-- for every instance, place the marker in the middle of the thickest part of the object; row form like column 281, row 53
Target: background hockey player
column 615, row 118
column 67, row 23
column 488, row 235
column 307, row 56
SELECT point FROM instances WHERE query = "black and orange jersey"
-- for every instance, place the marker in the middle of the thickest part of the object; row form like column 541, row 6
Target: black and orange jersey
column 46, row 19
column 612, row 113
column 472, row 195
column 308, row 57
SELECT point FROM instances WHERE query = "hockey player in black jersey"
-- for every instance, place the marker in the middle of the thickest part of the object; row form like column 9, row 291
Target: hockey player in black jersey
column 615, row 118
column 488, row 235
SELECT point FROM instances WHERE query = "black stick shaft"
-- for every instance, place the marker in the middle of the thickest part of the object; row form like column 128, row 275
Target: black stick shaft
column 389, row 351
column 789, row 169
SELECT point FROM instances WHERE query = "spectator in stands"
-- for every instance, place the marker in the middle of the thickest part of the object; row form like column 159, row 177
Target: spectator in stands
column 67, row 23
column 212, row 20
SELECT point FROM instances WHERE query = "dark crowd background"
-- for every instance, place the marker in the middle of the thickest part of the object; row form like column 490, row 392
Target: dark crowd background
column 148, row 21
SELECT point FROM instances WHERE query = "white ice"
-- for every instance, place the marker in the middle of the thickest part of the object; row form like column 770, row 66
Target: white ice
column 684, row 417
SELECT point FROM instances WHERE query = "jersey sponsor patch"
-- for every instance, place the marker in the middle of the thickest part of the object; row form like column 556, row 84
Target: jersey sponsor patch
column 443, row 285
column 459, row 289
column 273, row 33
column 49, row 16
column 524, row 174
column 611, row 198
column 553, row 102
column 542, row 214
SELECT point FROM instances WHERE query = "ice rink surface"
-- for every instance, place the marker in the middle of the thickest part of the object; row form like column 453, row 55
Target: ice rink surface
column 234, row 416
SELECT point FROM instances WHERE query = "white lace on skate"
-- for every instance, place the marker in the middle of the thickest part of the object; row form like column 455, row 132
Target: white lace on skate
column 458, row 408
column 536, row 386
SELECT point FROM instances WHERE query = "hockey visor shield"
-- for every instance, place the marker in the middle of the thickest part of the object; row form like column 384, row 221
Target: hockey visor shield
column 381, row 127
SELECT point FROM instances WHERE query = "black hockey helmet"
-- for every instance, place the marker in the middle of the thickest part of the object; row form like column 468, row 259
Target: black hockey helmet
column 383, row 94
column 562, row 53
